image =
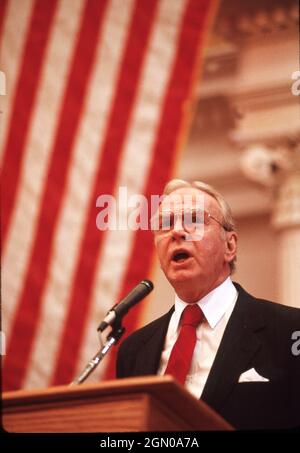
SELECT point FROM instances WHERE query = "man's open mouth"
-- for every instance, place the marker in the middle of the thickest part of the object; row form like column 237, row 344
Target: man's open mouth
column 180, row 257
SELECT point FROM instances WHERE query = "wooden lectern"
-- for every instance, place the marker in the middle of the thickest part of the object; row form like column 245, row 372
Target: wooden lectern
column 137, row 404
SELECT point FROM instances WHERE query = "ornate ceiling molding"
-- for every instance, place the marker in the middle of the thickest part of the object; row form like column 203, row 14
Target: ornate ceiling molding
column 256, row 18
column 269, row 166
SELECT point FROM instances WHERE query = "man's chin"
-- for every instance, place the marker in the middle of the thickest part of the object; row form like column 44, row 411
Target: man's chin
column 180, row 276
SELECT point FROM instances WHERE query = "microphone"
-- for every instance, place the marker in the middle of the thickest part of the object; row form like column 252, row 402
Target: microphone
column 119, row 310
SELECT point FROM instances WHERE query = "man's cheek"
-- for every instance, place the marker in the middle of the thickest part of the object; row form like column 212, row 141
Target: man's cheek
column 208, row 247
column 203, row 248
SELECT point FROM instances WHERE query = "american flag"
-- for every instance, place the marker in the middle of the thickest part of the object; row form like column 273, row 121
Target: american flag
column 98, row 96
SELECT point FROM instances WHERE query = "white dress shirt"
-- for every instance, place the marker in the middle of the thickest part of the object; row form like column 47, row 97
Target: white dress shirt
column 217, row 307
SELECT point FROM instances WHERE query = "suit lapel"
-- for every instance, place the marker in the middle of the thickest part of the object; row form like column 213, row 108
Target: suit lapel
column 151, row 346
column 239, row 344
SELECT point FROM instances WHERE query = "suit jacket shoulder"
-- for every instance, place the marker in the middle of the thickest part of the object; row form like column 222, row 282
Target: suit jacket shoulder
column 255, row 312
column 258, row 335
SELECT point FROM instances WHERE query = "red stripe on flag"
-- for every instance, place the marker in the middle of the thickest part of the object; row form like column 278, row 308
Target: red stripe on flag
column 27, row 315
column 127, row 85
column 26, row 90
column 3, row 9
column 178, row 91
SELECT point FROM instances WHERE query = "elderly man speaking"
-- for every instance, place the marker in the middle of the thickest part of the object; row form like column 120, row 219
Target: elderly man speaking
column 228, row 348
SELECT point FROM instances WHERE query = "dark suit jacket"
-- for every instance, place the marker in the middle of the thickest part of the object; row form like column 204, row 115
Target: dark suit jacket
column 258, row 335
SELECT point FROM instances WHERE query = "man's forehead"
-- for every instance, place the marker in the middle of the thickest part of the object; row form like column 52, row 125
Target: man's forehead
column 188, row 197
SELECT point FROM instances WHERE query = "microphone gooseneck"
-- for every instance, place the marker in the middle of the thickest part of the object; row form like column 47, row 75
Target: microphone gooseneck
column 113, row 318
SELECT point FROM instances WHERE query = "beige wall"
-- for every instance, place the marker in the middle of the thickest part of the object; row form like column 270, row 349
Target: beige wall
column 257, row 257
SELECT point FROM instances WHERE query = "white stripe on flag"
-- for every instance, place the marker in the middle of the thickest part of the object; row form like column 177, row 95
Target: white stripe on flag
column 81, row 178
column 12, row 44
column 136, row 161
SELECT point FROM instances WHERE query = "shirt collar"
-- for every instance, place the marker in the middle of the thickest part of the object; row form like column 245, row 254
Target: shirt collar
column 214, row 305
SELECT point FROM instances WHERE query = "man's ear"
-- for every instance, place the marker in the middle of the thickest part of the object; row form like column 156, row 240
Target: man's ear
column 231, row 245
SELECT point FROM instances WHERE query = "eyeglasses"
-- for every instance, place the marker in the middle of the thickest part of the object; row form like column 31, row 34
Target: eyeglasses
column 190, row 220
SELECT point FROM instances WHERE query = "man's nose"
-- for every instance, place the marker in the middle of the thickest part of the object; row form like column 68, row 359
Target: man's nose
column 178, row 231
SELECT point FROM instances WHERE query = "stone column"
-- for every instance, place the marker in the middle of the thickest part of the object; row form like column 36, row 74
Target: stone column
column 286, row 220
column 278, row 169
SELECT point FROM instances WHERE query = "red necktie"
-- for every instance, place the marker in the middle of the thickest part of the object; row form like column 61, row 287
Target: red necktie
column 181, row 355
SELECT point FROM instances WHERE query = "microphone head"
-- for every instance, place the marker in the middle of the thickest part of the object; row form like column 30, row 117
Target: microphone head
column 119, row 310
column 148, row 284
